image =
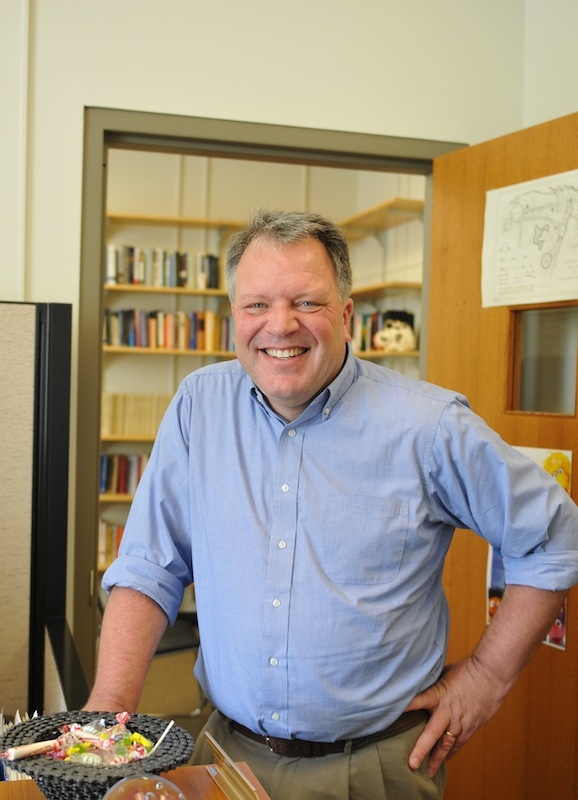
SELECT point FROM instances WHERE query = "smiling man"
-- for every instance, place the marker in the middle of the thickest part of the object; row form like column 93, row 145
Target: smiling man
column 312, row 498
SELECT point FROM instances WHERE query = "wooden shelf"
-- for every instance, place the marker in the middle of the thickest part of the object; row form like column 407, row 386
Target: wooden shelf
column 389, row 214
column 381, row 217
column 372, row 355
column 115, row 498
column 125, row 437
column 384, row 287
column 165, row 351
column 159, row 219
column 138, row 288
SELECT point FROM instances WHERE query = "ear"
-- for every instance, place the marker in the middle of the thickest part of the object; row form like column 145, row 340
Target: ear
column 347, row 312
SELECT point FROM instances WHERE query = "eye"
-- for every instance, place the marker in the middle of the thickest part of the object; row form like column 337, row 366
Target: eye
column 255, row 308
column 308, row 305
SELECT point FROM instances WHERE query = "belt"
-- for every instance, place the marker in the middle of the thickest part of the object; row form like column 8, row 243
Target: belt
column 304, row 749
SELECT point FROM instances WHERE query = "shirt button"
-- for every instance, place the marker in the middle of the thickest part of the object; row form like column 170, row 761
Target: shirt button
column 282, row 544
column 273, row 661
column 285, row 487
column 276, row 602
column 275, row 715
column 292, row 433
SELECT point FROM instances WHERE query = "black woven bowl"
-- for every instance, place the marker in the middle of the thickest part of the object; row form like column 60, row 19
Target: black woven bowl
column 62, row 780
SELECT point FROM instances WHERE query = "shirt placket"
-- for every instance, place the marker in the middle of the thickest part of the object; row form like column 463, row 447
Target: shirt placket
column 282, row 542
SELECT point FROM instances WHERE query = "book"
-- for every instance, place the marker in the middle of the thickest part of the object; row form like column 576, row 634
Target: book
column 182, row 325
column 139, row 266
column 109, row 539
column 182, row 269
column 111, row 265
column 158, row 267
column 211, row 269
column 103, row 473
column 121, row 486
column 210, row 330
column 152, row 329
column 192, row 330
column 200, row 330
column 160, row 329
column 170, row 330
column 133, row 473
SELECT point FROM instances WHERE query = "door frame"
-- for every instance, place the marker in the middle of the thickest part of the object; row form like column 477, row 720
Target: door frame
column 106, row 128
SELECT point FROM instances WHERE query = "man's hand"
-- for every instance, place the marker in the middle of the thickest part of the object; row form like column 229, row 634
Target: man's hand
column 470, row 692
column 464, row 698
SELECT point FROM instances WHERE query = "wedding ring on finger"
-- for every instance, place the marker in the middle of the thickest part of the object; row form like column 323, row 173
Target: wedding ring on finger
column 453, row 735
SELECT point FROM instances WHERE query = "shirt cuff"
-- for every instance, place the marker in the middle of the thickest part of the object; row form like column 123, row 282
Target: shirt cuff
column 556, row 572
column 151, row 579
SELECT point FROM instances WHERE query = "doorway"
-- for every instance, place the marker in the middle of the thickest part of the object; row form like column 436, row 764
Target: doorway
column 107, row 130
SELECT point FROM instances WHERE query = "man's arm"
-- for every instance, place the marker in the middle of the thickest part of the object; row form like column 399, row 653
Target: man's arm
column 470, row 692
column 131, row 630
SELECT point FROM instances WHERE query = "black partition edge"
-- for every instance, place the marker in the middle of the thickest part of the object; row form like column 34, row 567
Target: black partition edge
column 49, row 488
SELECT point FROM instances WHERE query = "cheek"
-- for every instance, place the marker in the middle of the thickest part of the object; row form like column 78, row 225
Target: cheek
column 244, row 329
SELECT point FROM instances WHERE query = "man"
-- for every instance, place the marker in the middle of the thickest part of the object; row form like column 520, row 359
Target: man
column 312, row 498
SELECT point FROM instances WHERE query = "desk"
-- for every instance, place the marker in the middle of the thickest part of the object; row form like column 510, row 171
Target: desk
column 195, row 782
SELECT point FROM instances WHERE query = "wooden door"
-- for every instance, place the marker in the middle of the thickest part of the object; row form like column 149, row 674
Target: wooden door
column 529, row 751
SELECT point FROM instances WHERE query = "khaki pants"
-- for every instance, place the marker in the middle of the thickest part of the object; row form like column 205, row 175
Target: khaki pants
column 376, row 772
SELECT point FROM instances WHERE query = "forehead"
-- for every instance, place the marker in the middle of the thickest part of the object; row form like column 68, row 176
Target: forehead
column 306, row 258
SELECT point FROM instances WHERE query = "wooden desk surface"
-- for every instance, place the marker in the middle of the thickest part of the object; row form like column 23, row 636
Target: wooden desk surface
column 195, row 782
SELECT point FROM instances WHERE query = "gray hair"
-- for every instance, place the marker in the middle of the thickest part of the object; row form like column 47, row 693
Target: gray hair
column 288, row 227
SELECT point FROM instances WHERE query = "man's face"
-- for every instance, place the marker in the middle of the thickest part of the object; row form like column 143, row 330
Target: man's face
column 290, row 325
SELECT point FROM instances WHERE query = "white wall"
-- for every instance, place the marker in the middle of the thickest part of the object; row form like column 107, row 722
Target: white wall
column 13, row 105
column 550, row 88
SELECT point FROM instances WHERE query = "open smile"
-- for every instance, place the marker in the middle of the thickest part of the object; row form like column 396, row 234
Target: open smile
column 292, row 352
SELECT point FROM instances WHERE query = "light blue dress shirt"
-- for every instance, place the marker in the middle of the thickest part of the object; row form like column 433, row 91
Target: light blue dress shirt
column 317, row 546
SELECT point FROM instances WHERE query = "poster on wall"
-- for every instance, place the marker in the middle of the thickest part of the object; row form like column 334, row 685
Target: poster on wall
column 559, row 464
column 530, row 245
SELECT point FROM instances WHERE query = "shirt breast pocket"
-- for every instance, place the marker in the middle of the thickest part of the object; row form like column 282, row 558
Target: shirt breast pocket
column 363, row 538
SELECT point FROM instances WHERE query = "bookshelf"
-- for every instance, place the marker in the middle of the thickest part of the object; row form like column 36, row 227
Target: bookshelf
column 382, row 217
column 164, row 219
column 166, row 351
column 154, row 332
column 378, row 297
column 376, row 219
column 116, row 497
column 169, row 290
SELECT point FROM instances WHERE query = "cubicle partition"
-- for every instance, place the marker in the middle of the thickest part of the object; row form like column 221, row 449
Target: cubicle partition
column 34, row 451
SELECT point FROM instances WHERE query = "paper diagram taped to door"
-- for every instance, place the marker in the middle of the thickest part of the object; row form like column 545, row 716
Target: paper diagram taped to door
column 530, row 247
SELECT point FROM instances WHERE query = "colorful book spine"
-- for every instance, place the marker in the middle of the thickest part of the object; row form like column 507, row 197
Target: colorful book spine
column 154, row 266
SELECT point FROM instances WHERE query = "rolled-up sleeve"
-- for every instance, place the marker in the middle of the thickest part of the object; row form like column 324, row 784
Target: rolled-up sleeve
column 477, row 481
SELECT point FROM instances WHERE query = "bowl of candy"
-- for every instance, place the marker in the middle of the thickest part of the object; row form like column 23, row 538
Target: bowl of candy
column 79, row 754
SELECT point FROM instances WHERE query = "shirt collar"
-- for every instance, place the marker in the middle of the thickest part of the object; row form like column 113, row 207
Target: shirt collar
column 326, row 401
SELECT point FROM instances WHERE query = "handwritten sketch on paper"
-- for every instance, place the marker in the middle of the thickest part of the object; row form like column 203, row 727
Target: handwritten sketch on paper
column 559, row 464
column 530, row 247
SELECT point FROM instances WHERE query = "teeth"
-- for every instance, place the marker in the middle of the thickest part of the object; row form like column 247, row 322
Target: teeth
column 295, row 351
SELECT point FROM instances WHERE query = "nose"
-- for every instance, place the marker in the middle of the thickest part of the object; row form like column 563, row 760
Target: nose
column 282, row 320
